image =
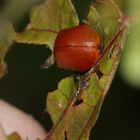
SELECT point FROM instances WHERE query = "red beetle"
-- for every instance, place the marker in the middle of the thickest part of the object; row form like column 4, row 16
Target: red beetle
column 77, row 48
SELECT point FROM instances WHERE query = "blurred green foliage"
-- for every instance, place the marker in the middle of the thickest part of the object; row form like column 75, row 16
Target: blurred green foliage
column 130, row 66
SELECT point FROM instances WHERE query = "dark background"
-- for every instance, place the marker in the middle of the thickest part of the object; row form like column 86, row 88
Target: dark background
column 26, row 86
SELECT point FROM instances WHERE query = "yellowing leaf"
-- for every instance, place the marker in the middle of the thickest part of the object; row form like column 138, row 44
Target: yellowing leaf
column 74, row 115
column 74, row 110
column 72, row 120
column 46, row 20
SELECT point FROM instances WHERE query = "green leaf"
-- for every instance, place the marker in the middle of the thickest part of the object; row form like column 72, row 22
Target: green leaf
column 76, row 121
column 57, row 100
column 74, row 116
column 103, row 20
column 46, row 20
column 6, row 37
column 14, row 136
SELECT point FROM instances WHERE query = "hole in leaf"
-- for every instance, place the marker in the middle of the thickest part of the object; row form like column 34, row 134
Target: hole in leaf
column 82, row 8
column 65, row 135
column 99, row 74
column 77, row 102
